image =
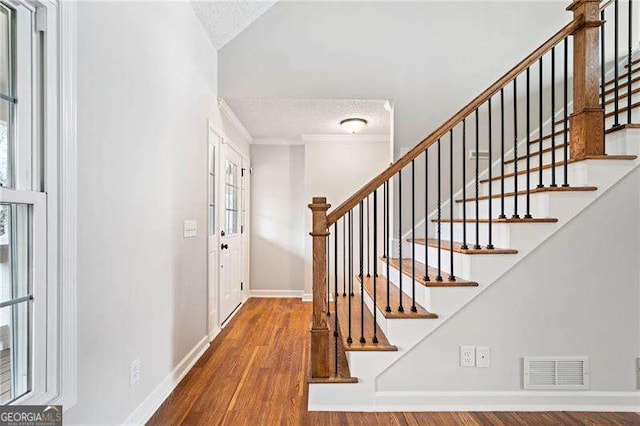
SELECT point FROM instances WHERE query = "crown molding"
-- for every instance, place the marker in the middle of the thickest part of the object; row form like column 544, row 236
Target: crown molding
column 276, row 141
column 228, row 113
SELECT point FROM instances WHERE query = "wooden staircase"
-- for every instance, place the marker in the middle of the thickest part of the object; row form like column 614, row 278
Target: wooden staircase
column 514, row 198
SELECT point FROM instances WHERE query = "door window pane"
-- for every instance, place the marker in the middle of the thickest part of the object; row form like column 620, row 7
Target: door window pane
column 231, row 198
column 212, row 190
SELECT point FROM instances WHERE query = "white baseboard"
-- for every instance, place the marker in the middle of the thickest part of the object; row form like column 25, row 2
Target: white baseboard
column 276, row 293
column 214, row 333
column 307, row 297
column 508, row 401
column 144, row 411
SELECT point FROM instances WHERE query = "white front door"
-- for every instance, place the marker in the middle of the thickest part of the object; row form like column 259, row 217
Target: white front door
column 230, row 234
column 213, row 227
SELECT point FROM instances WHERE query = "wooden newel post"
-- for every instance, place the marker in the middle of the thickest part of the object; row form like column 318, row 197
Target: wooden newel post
column 319, row 328
column 587, row 120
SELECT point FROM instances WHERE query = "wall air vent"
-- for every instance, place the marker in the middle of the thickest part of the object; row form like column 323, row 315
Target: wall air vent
column 561, row 373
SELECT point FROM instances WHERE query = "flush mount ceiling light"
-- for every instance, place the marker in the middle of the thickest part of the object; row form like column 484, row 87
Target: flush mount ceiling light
column 353, row 125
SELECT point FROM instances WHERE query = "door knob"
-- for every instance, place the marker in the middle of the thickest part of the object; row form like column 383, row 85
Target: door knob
column 224, row 246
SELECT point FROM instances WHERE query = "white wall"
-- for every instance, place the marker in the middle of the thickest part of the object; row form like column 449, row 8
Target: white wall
column 336, row 170
column 431, row 58
column 277, row 220
column 590, row 285
column 146, row 87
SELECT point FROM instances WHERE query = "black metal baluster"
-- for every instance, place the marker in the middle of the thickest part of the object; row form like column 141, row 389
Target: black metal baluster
column 387, row 245
column 349, row 338
column 541, row 123
column 602, row 58
column 629, row 61
column 362, row 339
column 553, row 118
column 477, row 246
column 375, row 266
column 464, row 184
column 384, row 220
column 452, row 276
column 335, row 295
column 515, row 148
column 439, row 276
column 490, row 245
column 344, row 257
column 413, row 236
column 528, row 213
column 368, row 238
column 565, row 165
column 502, row 215
column 426, row 214
column 400, row 307
column 351, row 293
column 616, row 55
column 329, row 275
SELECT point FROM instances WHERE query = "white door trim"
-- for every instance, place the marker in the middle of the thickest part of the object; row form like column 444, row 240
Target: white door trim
column 213, row 328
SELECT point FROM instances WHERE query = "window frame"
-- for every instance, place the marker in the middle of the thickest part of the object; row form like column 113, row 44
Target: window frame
column 51, row 191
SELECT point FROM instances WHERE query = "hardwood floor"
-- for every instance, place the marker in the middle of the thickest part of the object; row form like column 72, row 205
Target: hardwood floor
column 255, row 372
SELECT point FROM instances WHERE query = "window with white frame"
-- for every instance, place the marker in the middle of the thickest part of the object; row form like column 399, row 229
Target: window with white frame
column 25, row 293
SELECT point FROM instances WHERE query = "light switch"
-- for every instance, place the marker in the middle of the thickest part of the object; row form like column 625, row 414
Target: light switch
column 190, row 229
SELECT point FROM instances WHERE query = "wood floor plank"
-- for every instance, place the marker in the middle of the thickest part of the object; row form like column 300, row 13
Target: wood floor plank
column 260, row 362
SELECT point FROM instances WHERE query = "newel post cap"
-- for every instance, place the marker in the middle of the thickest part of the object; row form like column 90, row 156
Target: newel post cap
column 319, row 203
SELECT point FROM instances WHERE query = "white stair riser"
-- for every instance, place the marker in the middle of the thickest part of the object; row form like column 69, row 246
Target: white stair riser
column 547, row 158
column 500, row 233
column 539, row 207
column 576, row 177
column 422, row 292
column 439, row 300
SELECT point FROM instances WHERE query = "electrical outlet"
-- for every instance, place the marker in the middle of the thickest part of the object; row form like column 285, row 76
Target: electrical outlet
column 483, row 357
column 134, row 372
column 467, row 356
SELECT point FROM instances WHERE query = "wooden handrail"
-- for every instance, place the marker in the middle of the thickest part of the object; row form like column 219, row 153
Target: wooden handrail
column 394, row 168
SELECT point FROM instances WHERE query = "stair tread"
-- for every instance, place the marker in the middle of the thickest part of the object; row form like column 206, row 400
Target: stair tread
column 548, row 136
column 621, row 96
column 608, row 114
column 394, row 301
column 343, row 322
column 536, row 153
column 621, row 86
column 561, row 163
column 622, row 127
column 457, row 247
column 621, row 76
column 433, row 273
column 535, row 191
column 503, row 220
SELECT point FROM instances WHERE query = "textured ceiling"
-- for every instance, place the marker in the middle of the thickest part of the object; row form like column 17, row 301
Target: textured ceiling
column 292, row 118
column 223, row 20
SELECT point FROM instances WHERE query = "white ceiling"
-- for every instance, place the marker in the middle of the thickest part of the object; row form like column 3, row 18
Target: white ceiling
column 292, row 118
column 223, row 20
